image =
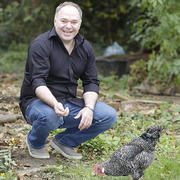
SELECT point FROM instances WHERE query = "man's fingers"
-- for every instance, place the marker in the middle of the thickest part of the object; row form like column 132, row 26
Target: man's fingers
column 82, row 125
column 60, row 111
column 78, row 115
column 66, row 111
column 59, row 108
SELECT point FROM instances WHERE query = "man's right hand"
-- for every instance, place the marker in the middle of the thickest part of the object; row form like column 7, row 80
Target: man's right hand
column 59, row 109
column 43, row 93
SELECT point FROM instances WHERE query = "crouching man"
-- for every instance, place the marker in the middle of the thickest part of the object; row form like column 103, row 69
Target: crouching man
column 56, row 60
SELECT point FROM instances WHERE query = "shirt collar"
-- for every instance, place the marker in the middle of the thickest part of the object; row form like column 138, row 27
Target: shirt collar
column 78, row 38
column 52, row 33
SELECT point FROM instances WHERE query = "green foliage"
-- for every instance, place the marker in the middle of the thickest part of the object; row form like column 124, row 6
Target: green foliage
column 102, row 20
column 8, row 24
column 109, row 82
column 10, row 175
column 163, row 70
column 5, row 161
column 5, row 158
column 101, row 145
column 56, row 169
column 21, row 21
column 176, row 80
column 14, row 60
column 157, row 27
column 138, row 72
column 123, row 82
column 113, row 83
column 158, row 70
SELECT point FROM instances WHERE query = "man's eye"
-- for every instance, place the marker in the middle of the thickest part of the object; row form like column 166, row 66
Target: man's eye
column 63, row 21
column 74, row 22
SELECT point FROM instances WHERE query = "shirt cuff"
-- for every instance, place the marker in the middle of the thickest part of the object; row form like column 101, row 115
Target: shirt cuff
column 38, row 82
column 91, row 87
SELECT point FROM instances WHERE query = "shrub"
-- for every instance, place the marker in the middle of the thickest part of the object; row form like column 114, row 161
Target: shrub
column 158, row 28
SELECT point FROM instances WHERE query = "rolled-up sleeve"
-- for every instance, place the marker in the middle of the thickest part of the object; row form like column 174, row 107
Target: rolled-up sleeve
column 90, row 75
column 38, row 63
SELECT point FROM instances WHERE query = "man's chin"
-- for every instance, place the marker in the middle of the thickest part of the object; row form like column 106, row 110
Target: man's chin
column 67, row 39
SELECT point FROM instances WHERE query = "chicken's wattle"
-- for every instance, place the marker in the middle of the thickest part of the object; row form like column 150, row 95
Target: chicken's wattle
column 98, row 170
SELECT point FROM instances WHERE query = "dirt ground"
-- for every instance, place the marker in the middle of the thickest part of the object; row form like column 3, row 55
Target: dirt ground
column 172, row 99
column 13, row 134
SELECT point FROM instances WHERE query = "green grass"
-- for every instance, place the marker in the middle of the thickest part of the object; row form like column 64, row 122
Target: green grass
column 13, row 59
column 10, row 175
column 130, row 125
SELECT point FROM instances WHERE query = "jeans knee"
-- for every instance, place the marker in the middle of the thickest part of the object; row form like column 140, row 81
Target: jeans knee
column 49, row 120
column 112, row 116
column 106, row 115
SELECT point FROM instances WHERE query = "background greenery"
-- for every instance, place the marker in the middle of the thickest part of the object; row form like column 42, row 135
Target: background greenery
column 151, row 26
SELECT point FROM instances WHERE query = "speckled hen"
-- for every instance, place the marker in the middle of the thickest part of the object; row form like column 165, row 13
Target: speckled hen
column 132, row 158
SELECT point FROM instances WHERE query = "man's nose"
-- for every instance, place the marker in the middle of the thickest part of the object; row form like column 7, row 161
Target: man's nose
column 68, row 24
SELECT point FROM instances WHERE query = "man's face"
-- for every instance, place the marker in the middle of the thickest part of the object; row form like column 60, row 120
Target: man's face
column 67, row 23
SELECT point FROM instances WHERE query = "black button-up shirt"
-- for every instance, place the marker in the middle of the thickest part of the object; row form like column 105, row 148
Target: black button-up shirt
column 49, row 64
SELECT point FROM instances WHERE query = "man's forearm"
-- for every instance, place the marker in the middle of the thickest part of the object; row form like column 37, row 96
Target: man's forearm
column 43, row 93
column 90, row 99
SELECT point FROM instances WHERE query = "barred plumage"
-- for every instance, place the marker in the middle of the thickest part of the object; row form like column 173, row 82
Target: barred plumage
column 132, row 158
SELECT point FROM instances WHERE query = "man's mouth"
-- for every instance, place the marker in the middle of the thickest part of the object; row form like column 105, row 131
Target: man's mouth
column 67, row 32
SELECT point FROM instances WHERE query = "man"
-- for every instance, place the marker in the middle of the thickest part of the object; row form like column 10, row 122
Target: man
column 55, row 62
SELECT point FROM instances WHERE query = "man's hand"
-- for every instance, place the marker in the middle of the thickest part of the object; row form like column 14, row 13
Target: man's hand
column 59, row 109
column 43, row 93
column 87, row 117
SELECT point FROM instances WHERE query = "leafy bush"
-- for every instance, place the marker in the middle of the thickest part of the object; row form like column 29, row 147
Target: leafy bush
column 138, row 72
column 158, row 28
column 164, row 70
column 158, row 25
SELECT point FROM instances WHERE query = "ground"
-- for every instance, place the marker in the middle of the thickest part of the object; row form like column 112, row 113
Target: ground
column 13, row 134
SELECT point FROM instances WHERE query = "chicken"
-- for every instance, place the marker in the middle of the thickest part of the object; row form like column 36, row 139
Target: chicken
column 132, row 158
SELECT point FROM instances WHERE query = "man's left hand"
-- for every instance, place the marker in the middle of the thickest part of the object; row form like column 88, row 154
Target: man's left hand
column 87, row 117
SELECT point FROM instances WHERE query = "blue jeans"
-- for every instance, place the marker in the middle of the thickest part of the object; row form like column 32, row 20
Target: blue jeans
column 44, row 119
